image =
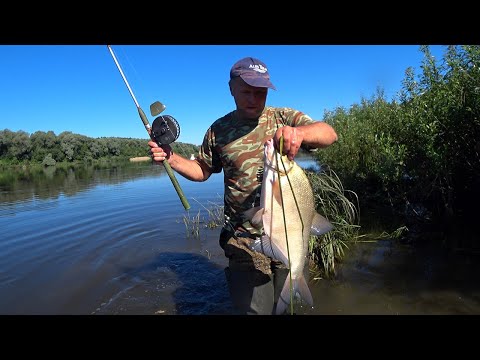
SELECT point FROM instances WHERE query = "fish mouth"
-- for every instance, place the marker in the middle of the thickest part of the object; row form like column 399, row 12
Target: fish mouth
column 275, row 161
column 282, row 172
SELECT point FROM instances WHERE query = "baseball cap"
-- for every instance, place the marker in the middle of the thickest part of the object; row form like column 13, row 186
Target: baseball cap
column 253, row 71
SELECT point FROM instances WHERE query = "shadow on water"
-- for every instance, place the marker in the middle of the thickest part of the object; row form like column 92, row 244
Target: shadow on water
column 390, row 278
column 172, row 284
column 383, row 278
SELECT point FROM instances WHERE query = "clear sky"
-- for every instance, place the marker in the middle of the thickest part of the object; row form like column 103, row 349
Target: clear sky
column 78, row 88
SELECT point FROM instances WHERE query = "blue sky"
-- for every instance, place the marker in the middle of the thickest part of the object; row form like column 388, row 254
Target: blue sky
column 78, row 88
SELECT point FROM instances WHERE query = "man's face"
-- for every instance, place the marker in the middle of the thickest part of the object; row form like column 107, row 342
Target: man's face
column 250, row 100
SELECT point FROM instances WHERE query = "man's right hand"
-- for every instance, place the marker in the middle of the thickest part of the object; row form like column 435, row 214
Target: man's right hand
column 159, row 154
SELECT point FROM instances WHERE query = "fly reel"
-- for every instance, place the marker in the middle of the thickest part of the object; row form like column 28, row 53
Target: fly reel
column 165, row 129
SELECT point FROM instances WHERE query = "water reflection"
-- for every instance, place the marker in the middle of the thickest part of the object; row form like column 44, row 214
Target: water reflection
column 52, row 182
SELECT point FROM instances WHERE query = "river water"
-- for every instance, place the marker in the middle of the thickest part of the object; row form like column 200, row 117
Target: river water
column 114, row 241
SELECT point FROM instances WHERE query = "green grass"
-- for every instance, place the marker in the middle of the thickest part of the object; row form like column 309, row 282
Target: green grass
column 341, row 208
column 213, row 219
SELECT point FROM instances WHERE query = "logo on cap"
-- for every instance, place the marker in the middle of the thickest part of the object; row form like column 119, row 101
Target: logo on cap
column 259, row 68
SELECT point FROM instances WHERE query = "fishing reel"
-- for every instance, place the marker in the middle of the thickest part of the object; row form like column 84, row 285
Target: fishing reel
column 165, row 129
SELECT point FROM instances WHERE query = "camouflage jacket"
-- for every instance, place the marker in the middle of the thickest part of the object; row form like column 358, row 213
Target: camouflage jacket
column 236, row 147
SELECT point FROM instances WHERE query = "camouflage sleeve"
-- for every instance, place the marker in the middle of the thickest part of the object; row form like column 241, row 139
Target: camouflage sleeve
column 292, row 117
column 207, row 155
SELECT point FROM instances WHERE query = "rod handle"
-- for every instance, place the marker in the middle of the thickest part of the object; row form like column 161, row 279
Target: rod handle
column 175, row 183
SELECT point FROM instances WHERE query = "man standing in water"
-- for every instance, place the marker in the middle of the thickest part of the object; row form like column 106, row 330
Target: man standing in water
column 234, row 143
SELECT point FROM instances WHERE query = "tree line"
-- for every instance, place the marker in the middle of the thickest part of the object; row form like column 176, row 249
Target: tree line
column 48, row 149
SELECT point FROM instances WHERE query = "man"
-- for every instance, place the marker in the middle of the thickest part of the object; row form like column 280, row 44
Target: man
column 234, row 144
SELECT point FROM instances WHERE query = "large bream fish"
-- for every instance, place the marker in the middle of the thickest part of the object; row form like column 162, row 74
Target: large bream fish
column 297, row 207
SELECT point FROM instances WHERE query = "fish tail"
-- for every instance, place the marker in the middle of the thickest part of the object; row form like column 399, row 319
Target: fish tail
column 299, row 286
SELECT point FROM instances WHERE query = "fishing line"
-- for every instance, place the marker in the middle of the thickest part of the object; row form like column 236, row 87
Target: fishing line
column 285, row 221
column 166, row 132
column 283, row 213
column 291, row 187
column 179, row 146
column 139, row 80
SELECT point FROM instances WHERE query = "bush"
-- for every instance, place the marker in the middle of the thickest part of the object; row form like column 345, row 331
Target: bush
column 48, row 160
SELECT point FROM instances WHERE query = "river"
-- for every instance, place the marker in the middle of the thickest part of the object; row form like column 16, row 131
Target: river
column 114, row 241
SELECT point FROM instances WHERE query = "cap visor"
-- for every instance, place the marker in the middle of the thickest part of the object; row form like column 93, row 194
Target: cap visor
column 258, row 82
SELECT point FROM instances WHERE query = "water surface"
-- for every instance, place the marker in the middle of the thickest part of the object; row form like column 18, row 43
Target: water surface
column 113, row 241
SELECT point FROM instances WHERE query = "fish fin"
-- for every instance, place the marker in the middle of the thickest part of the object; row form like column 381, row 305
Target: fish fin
column 254, row 215
column 299, row 286
column 320, row 225
column 265, row 246
column 259, row 244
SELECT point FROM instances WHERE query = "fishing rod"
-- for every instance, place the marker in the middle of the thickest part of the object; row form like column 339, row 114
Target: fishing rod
column 164, row 130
